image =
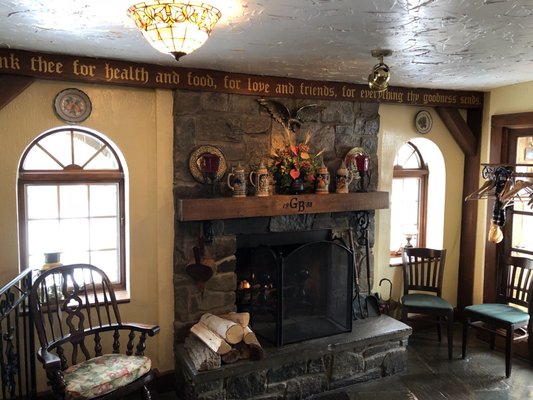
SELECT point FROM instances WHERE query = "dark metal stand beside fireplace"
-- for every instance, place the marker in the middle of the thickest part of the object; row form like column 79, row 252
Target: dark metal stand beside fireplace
column 295, row 285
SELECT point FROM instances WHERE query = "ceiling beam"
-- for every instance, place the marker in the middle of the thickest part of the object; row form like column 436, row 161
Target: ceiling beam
column 12, row 86
column 459, row 129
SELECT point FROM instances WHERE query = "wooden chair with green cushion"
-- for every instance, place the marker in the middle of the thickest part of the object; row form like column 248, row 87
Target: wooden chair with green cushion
column 423, row 272
column 76, row 316
column 503, row 318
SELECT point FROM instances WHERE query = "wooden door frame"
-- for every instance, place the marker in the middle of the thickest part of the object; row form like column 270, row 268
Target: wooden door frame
column 502, row 126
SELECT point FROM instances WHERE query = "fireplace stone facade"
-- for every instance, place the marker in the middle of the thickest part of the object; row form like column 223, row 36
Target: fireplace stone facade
column 245, row 133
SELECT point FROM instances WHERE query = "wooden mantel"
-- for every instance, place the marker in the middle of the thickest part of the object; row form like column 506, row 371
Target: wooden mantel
column 202, row 209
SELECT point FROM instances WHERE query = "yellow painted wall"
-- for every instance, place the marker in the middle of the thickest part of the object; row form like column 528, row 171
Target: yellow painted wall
column 139, row 122
column 396, row 128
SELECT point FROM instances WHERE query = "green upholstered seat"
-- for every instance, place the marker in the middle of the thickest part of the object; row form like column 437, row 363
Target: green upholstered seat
column 504, row 318
column 426, row 300
column 500, row 312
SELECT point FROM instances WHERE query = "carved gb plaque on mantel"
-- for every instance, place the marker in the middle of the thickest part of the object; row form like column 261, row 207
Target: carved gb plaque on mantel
column 204, row 209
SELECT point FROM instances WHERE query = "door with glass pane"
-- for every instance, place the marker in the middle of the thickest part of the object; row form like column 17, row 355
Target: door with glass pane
column 518, row 240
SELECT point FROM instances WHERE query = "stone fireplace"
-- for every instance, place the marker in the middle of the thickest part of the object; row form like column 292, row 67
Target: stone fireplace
column 294, row 367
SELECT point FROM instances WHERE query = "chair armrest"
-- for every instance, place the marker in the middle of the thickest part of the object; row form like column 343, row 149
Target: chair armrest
column 150, row 330
column 49, row 360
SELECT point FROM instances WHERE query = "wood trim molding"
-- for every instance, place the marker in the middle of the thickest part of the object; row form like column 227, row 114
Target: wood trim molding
column 12, row 86
column 459, row 129
column 501, row 127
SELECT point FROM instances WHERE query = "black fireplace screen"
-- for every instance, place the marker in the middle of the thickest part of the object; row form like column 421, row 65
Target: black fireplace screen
column 296, row 293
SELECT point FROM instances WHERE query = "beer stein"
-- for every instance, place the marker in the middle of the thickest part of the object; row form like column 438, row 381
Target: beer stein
column 260, row 180
column 343, row 178
column 237, row 181
column 322, row 180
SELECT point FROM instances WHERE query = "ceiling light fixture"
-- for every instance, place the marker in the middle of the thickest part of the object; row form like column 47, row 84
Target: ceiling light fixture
column 173, row 27
column 378, row 80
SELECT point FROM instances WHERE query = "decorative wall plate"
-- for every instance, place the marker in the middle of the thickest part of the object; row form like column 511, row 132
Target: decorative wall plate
column 72, row 105
column 207, row 164
column 349, row 158
column 423, row 121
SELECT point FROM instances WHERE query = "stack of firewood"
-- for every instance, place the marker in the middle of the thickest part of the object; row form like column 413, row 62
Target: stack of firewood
column 221, row 339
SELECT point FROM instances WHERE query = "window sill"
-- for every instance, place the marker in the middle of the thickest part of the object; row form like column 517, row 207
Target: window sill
column 122, row 295
column 395, row 261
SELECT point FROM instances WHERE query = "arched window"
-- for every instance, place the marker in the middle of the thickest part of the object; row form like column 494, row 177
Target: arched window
column 71, row 189
column 408, row 199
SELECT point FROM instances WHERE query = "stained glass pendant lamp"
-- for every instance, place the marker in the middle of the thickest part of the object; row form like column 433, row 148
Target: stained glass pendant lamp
column 173, row 27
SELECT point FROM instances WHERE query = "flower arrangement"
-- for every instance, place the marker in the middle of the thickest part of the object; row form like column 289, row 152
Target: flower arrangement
column 294, row 162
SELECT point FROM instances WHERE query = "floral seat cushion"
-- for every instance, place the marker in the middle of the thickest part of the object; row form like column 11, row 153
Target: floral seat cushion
column 101, row 375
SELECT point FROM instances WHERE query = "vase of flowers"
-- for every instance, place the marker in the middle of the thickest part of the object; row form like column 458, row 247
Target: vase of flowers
column 294, row 166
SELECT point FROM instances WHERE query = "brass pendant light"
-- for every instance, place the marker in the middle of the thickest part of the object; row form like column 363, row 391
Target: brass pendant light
column 378, row 80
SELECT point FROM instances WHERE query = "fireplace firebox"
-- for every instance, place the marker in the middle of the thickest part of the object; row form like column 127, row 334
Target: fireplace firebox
column 295, row 285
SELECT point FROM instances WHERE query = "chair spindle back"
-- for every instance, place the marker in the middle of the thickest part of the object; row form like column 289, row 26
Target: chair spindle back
column 423, row 269
column 72, row 302
column 516, row 280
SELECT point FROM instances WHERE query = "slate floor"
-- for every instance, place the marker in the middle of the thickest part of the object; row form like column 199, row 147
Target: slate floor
column 430, row 376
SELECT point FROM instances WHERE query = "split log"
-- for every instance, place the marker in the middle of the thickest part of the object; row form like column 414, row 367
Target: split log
column 244, row 350
column 256, row 351
column 230, row 357
column 228, row 330
column 211, row 339
column 242, row 318
column 249, row 336
column 203, row 358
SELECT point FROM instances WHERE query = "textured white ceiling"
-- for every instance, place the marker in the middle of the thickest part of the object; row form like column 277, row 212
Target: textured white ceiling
column 447, row 44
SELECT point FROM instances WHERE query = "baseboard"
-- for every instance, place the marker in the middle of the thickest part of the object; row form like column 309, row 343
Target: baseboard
column 164, row 381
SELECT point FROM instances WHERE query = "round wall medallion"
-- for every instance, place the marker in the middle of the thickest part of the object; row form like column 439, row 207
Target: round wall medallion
column 72, row 105
column 423, row 121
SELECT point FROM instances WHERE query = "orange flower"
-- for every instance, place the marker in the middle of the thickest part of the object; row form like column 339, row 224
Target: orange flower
column 304, row 156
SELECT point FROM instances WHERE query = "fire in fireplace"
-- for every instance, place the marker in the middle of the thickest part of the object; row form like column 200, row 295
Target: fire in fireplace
column 295, row 285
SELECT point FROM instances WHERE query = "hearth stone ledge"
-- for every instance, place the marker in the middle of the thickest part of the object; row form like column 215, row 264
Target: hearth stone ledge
column 375, row 348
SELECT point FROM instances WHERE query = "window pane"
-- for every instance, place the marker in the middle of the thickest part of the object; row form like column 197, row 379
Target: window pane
column 43, row 237
column 41, row 202
column 522, row 237
column 407, row 157
column 75, row 257
column 404, row 212
column 37, row 159
column 74, row 234
column 59, row 146
column 104, row 200
column 74, row 201
column 104, row 233
column 107, row 261
column 104, row 160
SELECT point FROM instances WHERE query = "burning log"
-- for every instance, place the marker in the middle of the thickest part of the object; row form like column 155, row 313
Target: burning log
column 228, row 330
column 211, row 339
